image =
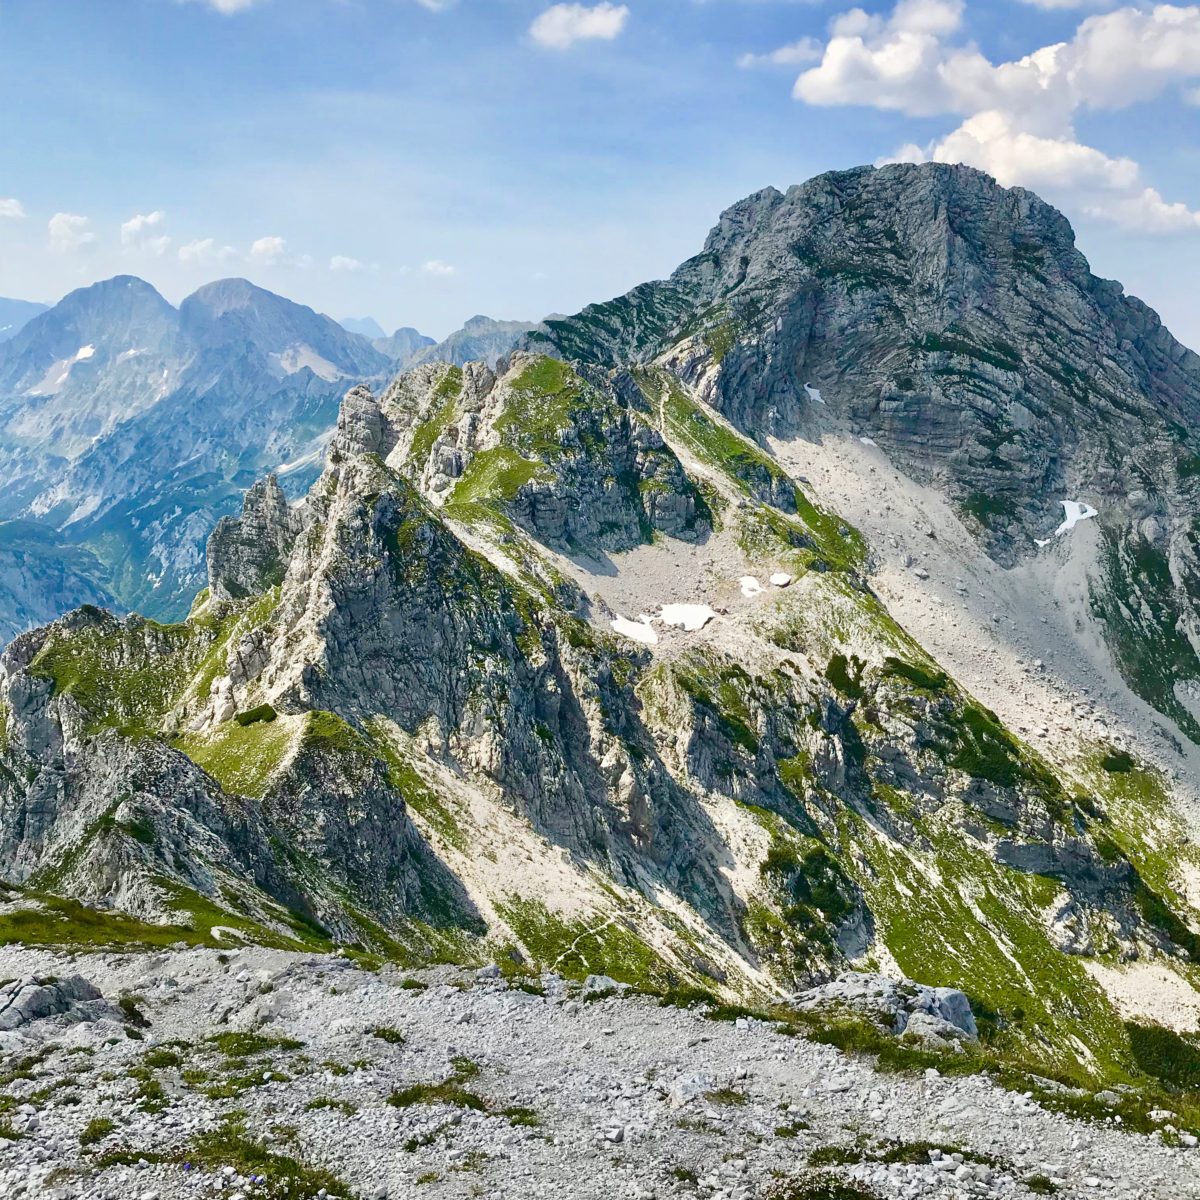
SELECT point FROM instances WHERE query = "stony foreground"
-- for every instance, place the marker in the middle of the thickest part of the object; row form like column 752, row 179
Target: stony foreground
column 260, row 1073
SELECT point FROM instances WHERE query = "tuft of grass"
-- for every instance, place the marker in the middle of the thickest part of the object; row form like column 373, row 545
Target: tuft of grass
column 133, row 1015
column 385, row 1033
column 162, row 1057
column 1041, row 1185
column 237, row 1044
column 96, row 1130
column 436, row 1093
column 328, row 1102
column 518, row 1115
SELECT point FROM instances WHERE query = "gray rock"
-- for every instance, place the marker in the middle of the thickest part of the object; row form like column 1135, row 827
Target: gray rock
column 27, row 1000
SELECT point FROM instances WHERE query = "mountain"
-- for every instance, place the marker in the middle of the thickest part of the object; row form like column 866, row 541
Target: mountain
column 41, row 576
column 128, row 426
column 16, row 313
column 961, row 330
column 402, row 345
column 481, row 339
column 803, row 613
column 366, row 327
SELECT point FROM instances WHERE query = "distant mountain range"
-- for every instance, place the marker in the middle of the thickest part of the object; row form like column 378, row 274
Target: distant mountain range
column 128, row 426
column 15, row 314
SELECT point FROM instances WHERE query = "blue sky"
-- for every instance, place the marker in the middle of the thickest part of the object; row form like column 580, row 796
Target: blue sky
column 423, row 160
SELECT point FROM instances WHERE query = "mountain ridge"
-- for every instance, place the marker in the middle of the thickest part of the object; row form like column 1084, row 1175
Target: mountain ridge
column 682, row 657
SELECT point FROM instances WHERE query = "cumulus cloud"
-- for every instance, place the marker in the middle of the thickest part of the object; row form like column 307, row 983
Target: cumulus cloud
column 11, row 208
column 229, row 7
column 1055, row 5
column 205, row 250
column 794, row 54
column 436, row 267
column 561, row 26
column 1018, row 117
column 343, row 262
column 141, row 232
column 269, row 251
column 69, row 232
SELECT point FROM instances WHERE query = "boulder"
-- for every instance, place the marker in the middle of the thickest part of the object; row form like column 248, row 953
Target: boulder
column 24, row 1001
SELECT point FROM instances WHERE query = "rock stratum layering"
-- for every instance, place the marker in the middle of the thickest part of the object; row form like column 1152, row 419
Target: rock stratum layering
column 827, row 608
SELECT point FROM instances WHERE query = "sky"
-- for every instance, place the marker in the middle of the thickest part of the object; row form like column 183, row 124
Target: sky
column 421, row 161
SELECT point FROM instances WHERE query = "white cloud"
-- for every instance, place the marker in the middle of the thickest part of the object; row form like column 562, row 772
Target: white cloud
column 1061, row 4
column 140, row 233
column 794, row 54
column 11, row 208
column 229, row 7
column 69, row 232
column 438, row 268
column 205, row 250
column 560, row 27
column 342, row 262
column 269, row 251
column 200, row 250
column 1018, row 117
column 437, row 6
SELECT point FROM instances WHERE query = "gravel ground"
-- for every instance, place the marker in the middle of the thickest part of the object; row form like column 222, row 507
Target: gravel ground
column 583, row 1098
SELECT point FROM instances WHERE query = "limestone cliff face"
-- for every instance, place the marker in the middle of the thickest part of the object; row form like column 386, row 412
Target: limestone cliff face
column 955, row 323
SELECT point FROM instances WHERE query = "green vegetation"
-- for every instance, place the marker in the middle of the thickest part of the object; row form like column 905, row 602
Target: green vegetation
column 236, row 1044
column 447, row 392
column 385, row 1033
column 958, row 341
column 53, row 921
column 495, row 475
column 990, row 511
column 821, row 1187
column 421, row 798
column 127, row 674
column 242, row 758
column 918, row 677
column 577, row 948
column 540, row 406
column 96, row 1130
column 1144, row 623
column 323, row 1103
column 449, row 1091
column 264, row 712
column 1166, row 1055
column 846, row 675
column 284, row 1178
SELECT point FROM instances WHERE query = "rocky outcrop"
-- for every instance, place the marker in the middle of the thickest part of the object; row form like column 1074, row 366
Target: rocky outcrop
column 955, row 324
column 902, row 1007
column 247, row 555
column 24, row 1001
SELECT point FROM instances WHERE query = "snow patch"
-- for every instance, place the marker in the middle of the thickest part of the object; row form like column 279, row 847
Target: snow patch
column 691, row 617
column 814, row 393
column 51, row 383
column 1075, row 511
column 751, row 586
column 866, row 441
column 296, row 358
column 781, row 580
column 638, row 631
column 126, row 355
